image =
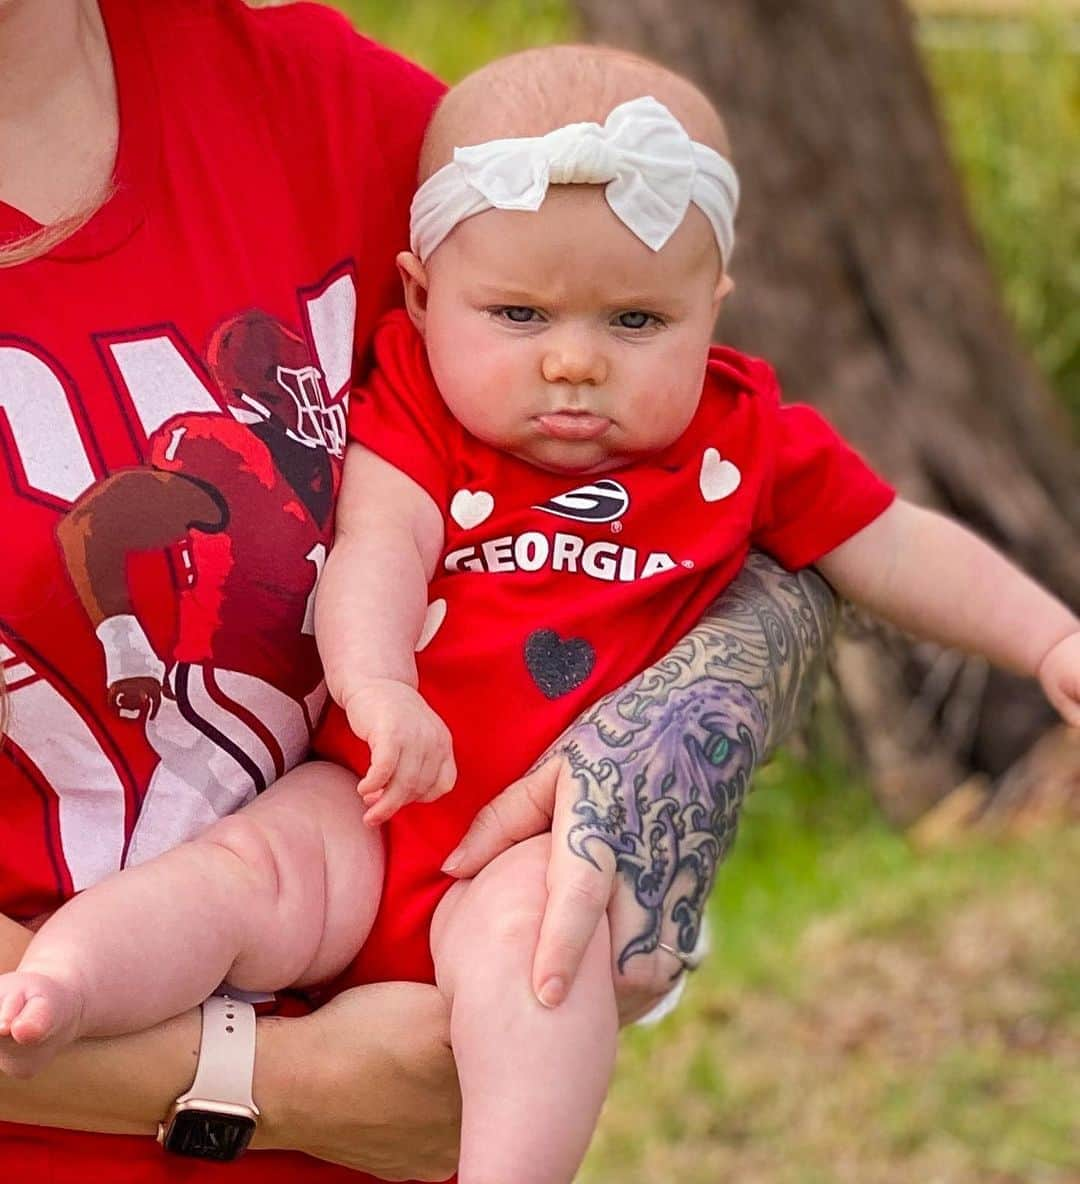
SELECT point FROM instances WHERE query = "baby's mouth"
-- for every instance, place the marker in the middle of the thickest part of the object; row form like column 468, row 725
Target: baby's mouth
column 573, row 425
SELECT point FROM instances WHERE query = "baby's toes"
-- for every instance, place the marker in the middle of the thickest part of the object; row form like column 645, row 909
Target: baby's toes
column 36, row 1022
column 12, row 1001
column 35, row 1008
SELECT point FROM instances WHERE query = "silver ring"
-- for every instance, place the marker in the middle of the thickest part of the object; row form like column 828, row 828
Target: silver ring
column 689, row 961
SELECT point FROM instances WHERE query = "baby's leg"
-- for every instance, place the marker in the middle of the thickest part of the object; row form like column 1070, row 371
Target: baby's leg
column 281, row 893
column 533, row 1080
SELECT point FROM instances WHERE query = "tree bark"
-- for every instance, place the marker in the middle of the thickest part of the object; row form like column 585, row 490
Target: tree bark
column 860, row 277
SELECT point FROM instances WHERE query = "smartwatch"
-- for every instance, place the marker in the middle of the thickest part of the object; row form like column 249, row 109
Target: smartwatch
column 216, row 1118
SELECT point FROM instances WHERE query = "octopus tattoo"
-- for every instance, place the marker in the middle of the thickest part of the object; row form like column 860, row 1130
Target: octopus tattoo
column 663, row 764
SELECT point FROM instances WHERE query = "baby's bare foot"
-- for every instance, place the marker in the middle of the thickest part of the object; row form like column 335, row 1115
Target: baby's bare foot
column 38, row 1016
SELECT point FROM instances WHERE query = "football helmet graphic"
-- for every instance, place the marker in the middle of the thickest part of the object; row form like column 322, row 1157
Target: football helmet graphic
column 266, row 372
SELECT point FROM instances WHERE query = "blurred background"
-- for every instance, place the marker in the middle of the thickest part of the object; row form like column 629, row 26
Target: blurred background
column 894, row 992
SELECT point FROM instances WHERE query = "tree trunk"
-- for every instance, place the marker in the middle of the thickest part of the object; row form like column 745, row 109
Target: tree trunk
column 860, row 277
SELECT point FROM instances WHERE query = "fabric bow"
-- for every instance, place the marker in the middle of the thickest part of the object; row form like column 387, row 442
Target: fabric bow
column 641, row 153
column 650, row 168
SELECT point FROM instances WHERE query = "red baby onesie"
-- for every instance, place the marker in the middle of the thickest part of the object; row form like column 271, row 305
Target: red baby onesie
column 552, row 590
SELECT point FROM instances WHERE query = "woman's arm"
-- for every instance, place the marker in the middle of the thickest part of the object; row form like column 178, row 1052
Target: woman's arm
column 367, row 1081
column 371, row 1083
column 643, row 793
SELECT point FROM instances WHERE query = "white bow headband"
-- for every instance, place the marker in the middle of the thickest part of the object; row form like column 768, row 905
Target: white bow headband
column 650, row 168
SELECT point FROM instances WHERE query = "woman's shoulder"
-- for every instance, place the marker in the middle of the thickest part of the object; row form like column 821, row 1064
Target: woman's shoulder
column 295, row 86
column 294, row 29
column 299, row 24
column 298, row 55
column 302, row 37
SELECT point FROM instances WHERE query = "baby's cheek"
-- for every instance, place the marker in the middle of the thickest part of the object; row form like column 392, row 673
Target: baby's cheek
column 661, row 416
column 483, row 402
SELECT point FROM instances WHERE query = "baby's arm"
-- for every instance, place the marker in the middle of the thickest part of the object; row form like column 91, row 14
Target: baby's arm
column 935, row 578
column 369, row 612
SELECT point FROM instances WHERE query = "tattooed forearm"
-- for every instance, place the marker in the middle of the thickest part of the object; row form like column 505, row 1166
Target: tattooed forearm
column 663, row 763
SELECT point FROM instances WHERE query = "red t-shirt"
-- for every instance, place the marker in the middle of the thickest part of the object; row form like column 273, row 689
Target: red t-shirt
column 202, row 329
column 552, row 590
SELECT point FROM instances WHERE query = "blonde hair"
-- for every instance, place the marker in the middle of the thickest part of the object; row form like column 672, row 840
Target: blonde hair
column 531, row 92
column 40, row 242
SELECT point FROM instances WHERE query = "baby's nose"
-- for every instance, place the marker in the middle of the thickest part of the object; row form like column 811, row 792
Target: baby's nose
column 574, row 358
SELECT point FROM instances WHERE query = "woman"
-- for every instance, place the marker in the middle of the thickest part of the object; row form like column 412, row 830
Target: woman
column 199, row 209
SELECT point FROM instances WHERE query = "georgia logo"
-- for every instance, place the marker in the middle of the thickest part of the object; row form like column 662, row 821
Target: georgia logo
column 602, row 501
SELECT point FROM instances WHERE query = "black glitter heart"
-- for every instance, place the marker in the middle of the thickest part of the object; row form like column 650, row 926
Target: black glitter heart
column 558, row 666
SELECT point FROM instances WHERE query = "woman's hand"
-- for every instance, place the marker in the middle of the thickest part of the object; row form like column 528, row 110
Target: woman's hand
column 658, row 899
column 643, row 793
column 367, row 1081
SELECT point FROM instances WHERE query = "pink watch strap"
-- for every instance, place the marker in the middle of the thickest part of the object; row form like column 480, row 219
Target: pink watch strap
column 226, row 1053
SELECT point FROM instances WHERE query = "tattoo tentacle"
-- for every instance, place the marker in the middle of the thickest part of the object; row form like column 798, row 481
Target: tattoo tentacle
column 663, row 764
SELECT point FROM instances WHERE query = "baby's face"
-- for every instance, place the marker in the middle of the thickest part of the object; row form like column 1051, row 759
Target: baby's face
column 561, row 338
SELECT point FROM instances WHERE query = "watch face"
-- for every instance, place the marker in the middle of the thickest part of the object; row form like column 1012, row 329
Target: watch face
column 203, row 1134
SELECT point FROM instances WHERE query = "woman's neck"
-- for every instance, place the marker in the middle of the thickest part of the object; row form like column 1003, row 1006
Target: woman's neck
column 58, row 116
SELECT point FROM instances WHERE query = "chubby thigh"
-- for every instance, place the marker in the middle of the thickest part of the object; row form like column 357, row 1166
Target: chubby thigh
column 320, row 872
column 281, row 893
column 504, row 903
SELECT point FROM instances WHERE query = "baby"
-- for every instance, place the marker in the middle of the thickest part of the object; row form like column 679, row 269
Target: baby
column 551, row 476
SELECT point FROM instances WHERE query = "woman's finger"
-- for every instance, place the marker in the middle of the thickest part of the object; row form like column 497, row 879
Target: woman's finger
column 579, row 890
column 522, row 810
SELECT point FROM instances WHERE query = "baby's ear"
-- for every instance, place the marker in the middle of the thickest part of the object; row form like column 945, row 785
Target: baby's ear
column 725, row 285
column 415, row 281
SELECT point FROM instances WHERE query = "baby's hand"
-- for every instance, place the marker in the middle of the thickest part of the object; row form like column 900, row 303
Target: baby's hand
column 412, row 757
column 1059, row 673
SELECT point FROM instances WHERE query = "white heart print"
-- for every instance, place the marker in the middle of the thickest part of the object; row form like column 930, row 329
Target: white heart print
column 469, row 509
column 719, row 478
column 436, row 614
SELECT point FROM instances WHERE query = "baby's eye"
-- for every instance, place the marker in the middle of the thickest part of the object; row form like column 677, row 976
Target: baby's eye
column 519, row 314
column 636, row 320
